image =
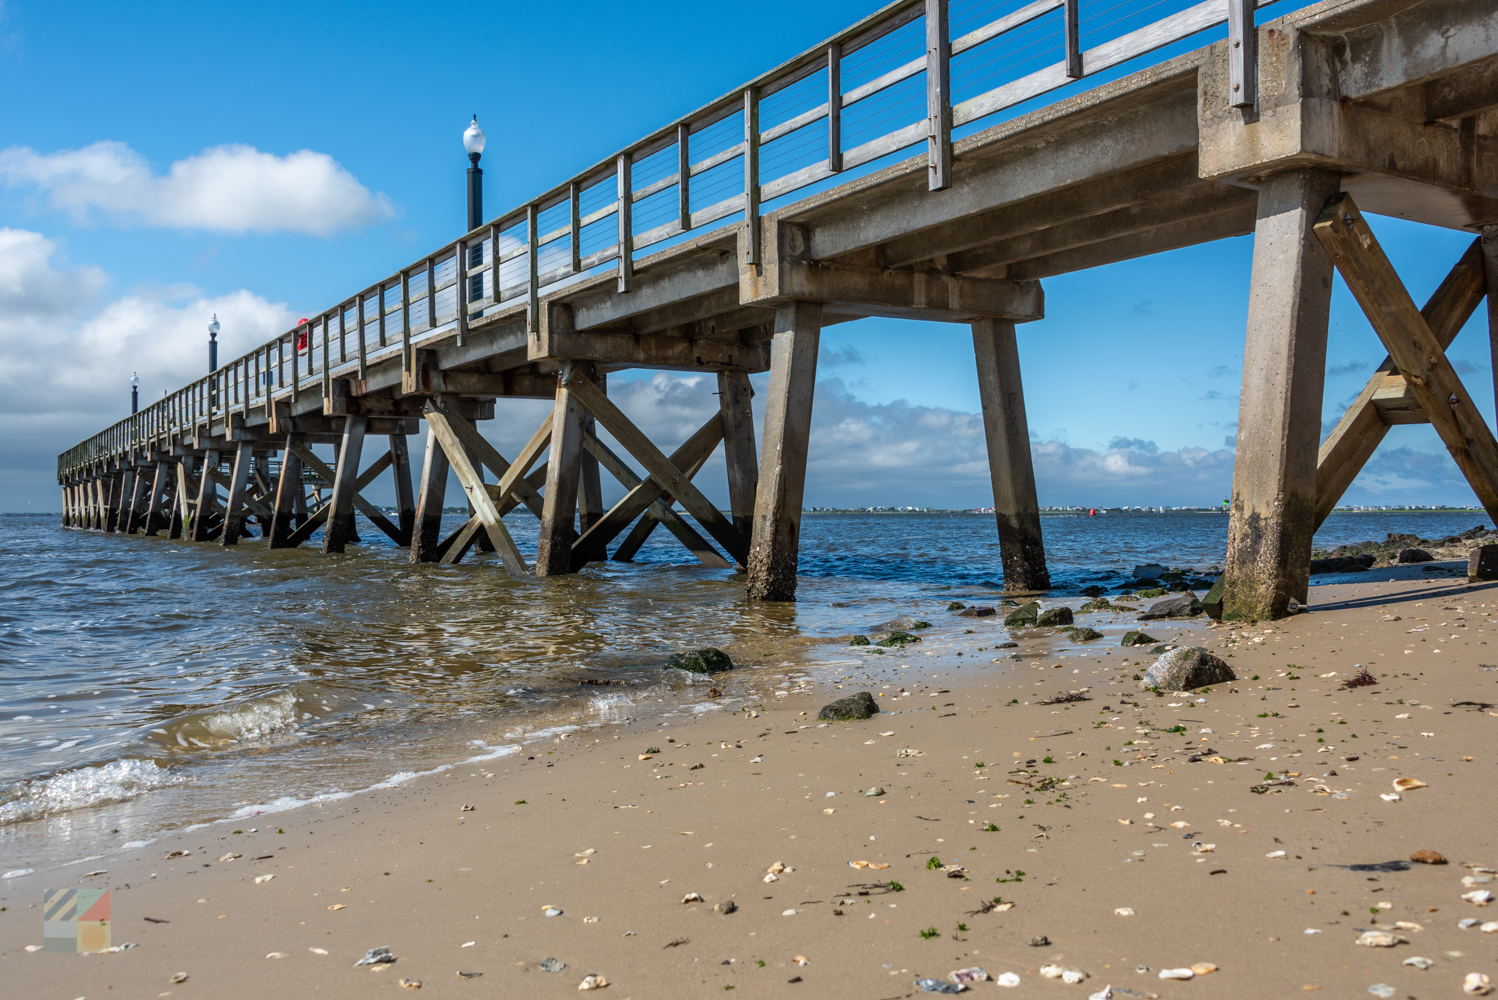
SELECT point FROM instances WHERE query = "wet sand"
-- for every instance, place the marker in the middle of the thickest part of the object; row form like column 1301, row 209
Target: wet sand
column 1071, row 812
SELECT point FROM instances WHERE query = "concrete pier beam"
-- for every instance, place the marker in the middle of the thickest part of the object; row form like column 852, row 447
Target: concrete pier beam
column 1273, row 509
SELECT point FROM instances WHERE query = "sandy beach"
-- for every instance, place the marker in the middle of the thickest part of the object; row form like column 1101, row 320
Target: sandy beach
column 1123, row 835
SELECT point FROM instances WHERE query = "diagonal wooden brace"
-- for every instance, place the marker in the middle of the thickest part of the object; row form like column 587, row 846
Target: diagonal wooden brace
column 366, row 508
column 695, row 543
column 486, row 453
column 1386, row 399
column 661, row 469
column 694, row 451
column 473, row 485
column 1414, row 349
column 455, row 546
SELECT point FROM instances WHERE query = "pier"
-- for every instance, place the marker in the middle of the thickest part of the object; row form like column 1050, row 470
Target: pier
column 726, row 241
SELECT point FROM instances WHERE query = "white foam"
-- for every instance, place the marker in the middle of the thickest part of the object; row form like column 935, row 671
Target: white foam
column 253, row 719
column 117, row 781
column 18, row 872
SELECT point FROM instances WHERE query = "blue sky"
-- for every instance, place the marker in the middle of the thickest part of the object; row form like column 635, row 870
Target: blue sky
column 266, row 161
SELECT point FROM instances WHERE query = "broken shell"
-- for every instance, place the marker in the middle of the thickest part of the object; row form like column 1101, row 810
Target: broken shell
column 1008, row 979
column 318, row 951
column 552, row 911
column 230, row 857
column 1468, row 923
column 180, row 977
column 1178, row 824
column 929, row 985
column 874, row 792
column 338, row 906
column 1390, row 796
column 691, row 897
column 1491, row 927
column 593, row 982
column 178, row 854
column 972, row 975
column 1124, row 911
column 908, row 752
column 376, row 956
column 1203, row 968
column 727, row 906
column 552, row 965
column 1427, row 858
column 801, row 960
column 1418, row 962
column 1275, row 854
column 586, row 854
column 1201, row 848
column 277, row 954
column 411, row 984
column 1482, row 897
column 263, row 878
column 1407, row 784
column 590, row 920
column 1106, row 993
column 772, row 877
column 1176, row 974
column 1051, row 971
column 776, row 868
column 1073, row 976
column 1477, row 984
column 1378, row 939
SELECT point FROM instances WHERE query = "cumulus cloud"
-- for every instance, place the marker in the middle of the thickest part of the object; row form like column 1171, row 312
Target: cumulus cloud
column 231, row 189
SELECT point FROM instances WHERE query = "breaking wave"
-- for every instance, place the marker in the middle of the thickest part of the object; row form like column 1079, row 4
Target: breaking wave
column 117, row 781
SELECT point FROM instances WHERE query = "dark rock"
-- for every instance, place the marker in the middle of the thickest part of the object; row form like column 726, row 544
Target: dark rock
column 1009, row 602
column 897, row 639
column 1185, row 605
column 1135, row 638
column 1094, row 591
column 700, row 661
column 1084, row 634
column 1007, row 645
column 1024, row 615
column 1097, row 604
column 1149, row 571
column 1186, row 668
column 904, row 623
column 1342, row 564
column 1415, row 556
column 956, row 606
column 1212, row 603
column 976, row 612
column 859, row 640
column 1482, row 563
column 1152, row 591
column 859, row 706
column 1054, row 617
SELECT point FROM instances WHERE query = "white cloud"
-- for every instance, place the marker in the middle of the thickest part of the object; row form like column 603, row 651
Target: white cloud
column 231, row 189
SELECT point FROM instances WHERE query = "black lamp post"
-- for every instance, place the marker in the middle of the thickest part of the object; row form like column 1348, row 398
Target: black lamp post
column 134, row 393
column 473, row 142
column 213, row 329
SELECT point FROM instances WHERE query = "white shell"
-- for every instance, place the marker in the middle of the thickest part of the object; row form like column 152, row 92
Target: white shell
column 1106, row 993
column 1477, row 984
column 1073, row 976
column 1051, row 971
column 1177, row 974
column 772, row 877
column 691, row 897
column 1124, row 911
column 1378, row 939
column 1008, row 979
column 1491, row 927
column 1482, row 897
column 594, row 982
column 1406, row 784
column 1419, row 962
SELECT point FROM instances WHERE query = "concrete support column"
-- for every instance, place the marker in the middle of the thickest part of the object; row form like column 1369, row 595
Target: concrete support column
column 1279, row 416
column 782, row 473
column 405, row 499
column 234, row 507
column 426, row 535
column 1016, row 508
column 339, row 529
column 563, row 470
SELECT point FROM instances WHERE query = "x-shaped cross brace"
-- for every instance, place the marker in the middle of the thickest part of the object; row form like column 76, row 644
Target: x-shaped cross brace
column 1416, row 341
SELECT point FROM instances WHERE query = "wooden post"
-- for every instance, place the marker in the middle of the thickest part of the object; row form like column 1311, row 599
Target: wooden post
column 101, row 503
column 234, row 507
column 288, row 489
column 751, row 176
column 589, row 483
column 1273, row 512
column 160, row 486
column 134, row 506
column 207, row 498
column 782, row 474
column 938, row 97
column 339, row 530
column 1490, row 271
column 624, row 217
column 1016, row 508
column 426, row 536
column 405, row 501
column 1071, row 30
column 113, row 515
column 1243, row 56
column 469, row 475
column 182, row 510
column 564, row 465
column 736, row 411
column 835, row 107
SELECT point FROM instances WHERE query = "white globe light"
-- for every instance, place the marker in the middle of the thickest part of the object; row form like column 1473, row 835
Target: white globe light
column 134, row 380
column 213, row 327
column 473, row 137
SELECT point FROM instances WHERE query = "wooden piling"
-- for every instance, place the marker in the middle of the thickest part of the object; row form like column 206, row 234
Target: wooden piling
column 160, row 484
column 288, row 489
column 1490, row 273
column 563, row 467
column 590, row 506
column 1015, row 505
column 234, row 505
column 782, row 475
column 339, row 530
column 405, row 500
column 426, row 535
column 207, row 503
column 1273, row 507
column 736, row 410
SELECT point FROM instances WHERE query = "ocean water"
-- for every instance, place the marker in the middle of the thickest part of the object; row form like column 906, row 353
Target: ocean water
column 148, row 685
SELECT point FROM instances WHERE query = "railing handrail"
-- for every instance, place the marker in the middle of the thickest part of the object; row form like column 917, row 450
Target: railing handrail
column 230, row 386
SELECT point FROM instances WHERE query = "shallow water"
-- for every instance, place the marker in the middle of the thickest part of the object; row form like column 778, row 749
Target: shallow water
column 147, row 684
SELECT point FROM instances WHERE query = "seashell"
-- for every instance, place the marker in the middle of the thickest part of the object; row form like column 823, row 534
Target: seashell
column 1427, row 858
column 1002, row 907
column 1178, row 824
column 1177, row 974
column 411, row 984
column 1390, row 796
column 929, row 985
column 1418, row 962
column 1275, row 854
column 1477, row 984
column 230, row 857
column 552, row 965
column 787, row 913
column 1051, row 971
column 1124, row 911
column 1384, row 905
column 263, row 878
column 178, row 854
column 1408, row 925
column 727, row 906
column 801, row 960
column 593, row 982
column 908, row 752
column 590, row 920
column 874, row 792
column 318, row 951
column 1491, row 927
column 1482, row 897
column 1106, row 993
column 1379, row 939
column 1203, row 968
column 582, row 862
column 972, row 975
column 338, row 906
column 1470, row 880
column 858, row 864
column 179, row 977
column 691, row 897
column 376, row 956
column 1201, row 848
column 952, row 870
column 829, row 812
column 1408, row 784
column 772, row 877
column 586, row 854
column 35, row 947
column 1008, row 979
column 646, row 756
column 552, row 911
column 1468, row 923
column 776, row 868
column 276, row 954
column 1073, row 976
